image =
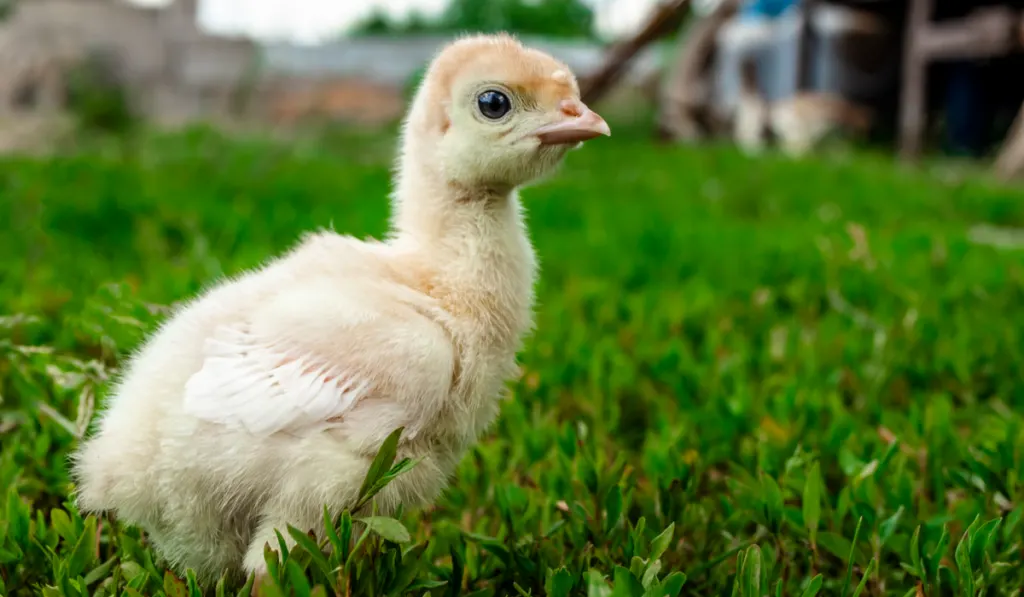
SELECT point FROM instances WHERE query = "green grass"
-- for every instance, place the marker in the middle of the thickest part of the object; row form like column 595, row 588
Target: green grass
column 772, row 377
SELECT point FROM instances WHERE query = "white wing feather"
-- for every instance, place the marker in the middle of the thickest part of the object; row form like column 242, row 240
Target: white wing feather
column 267, row 387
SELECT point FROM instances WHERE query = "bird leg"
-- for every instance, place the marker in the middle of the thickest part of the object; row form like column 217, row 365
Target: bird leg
column 265, row 536
column 274, row 520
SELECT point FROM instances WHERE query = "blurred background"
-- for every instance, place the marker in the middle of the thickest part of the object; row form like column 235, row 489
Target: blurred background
column 909, row 75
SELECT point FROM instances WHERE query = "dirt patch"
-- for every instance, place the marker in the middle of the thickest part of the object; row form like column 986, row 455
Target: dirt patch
column 32, row 133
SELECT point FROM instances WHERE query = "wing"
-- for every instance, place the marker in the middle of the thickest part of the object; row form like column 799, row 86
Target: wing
column 307, row 360
column 265, row 386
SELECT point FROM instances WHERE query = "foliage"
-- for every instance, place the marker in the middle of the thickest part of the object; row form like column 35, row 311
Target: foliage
column 749, row 377
column 98, row 96
column 550, row 18
column 379, row 22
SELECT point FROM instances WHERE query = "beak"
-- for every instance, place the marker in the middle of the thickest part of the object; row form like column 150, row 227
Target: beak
column 584, row 124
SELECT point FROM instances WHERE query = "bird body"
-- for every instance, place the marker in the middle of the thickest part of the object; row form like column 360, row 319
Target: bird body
column 265, row 399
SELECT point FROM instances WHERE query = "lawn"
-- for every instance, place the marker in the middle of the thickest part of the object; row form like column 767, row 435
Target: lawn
column 760, row 376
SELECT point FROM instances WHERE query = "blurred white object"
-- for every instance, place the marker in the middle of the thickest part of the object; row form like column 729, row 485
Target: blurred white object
column 851, row 55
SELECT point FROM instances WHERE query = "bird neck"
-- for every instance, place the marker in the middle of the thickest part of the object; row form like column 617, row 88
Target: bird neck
column 440, row 214
column 474, row 243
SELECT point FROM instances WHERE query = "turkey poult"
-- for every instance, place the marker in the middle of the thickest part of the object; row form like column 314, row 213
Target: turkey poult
column 266, row 398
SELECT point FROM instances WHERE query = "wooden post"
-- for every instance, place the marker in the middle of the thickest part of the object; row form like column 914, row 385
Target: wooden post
column 914, row 87
column 803, row 67
column 683, row 110
column 1010, row 162
column 666, row 17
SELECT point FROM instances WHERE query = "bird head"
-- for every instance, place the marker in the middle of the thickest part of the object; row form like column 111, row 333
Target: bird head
column 491, row 112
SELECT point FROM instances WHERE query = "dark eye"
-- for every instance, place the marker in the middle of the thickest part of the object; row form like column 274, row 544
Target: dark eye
column 493, row 104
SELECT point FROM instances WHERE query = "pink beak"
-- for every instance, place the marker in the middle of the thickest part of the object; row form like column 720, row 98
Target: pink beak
column 583, row 124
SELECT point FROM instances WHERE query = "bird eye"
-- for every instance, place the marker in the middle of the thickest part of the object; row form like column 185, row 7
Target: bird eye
column 493, row 104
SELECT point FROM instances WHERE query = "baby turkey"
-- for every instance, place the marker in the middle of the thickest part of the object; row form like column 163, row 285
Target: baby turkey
column 267, row 397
